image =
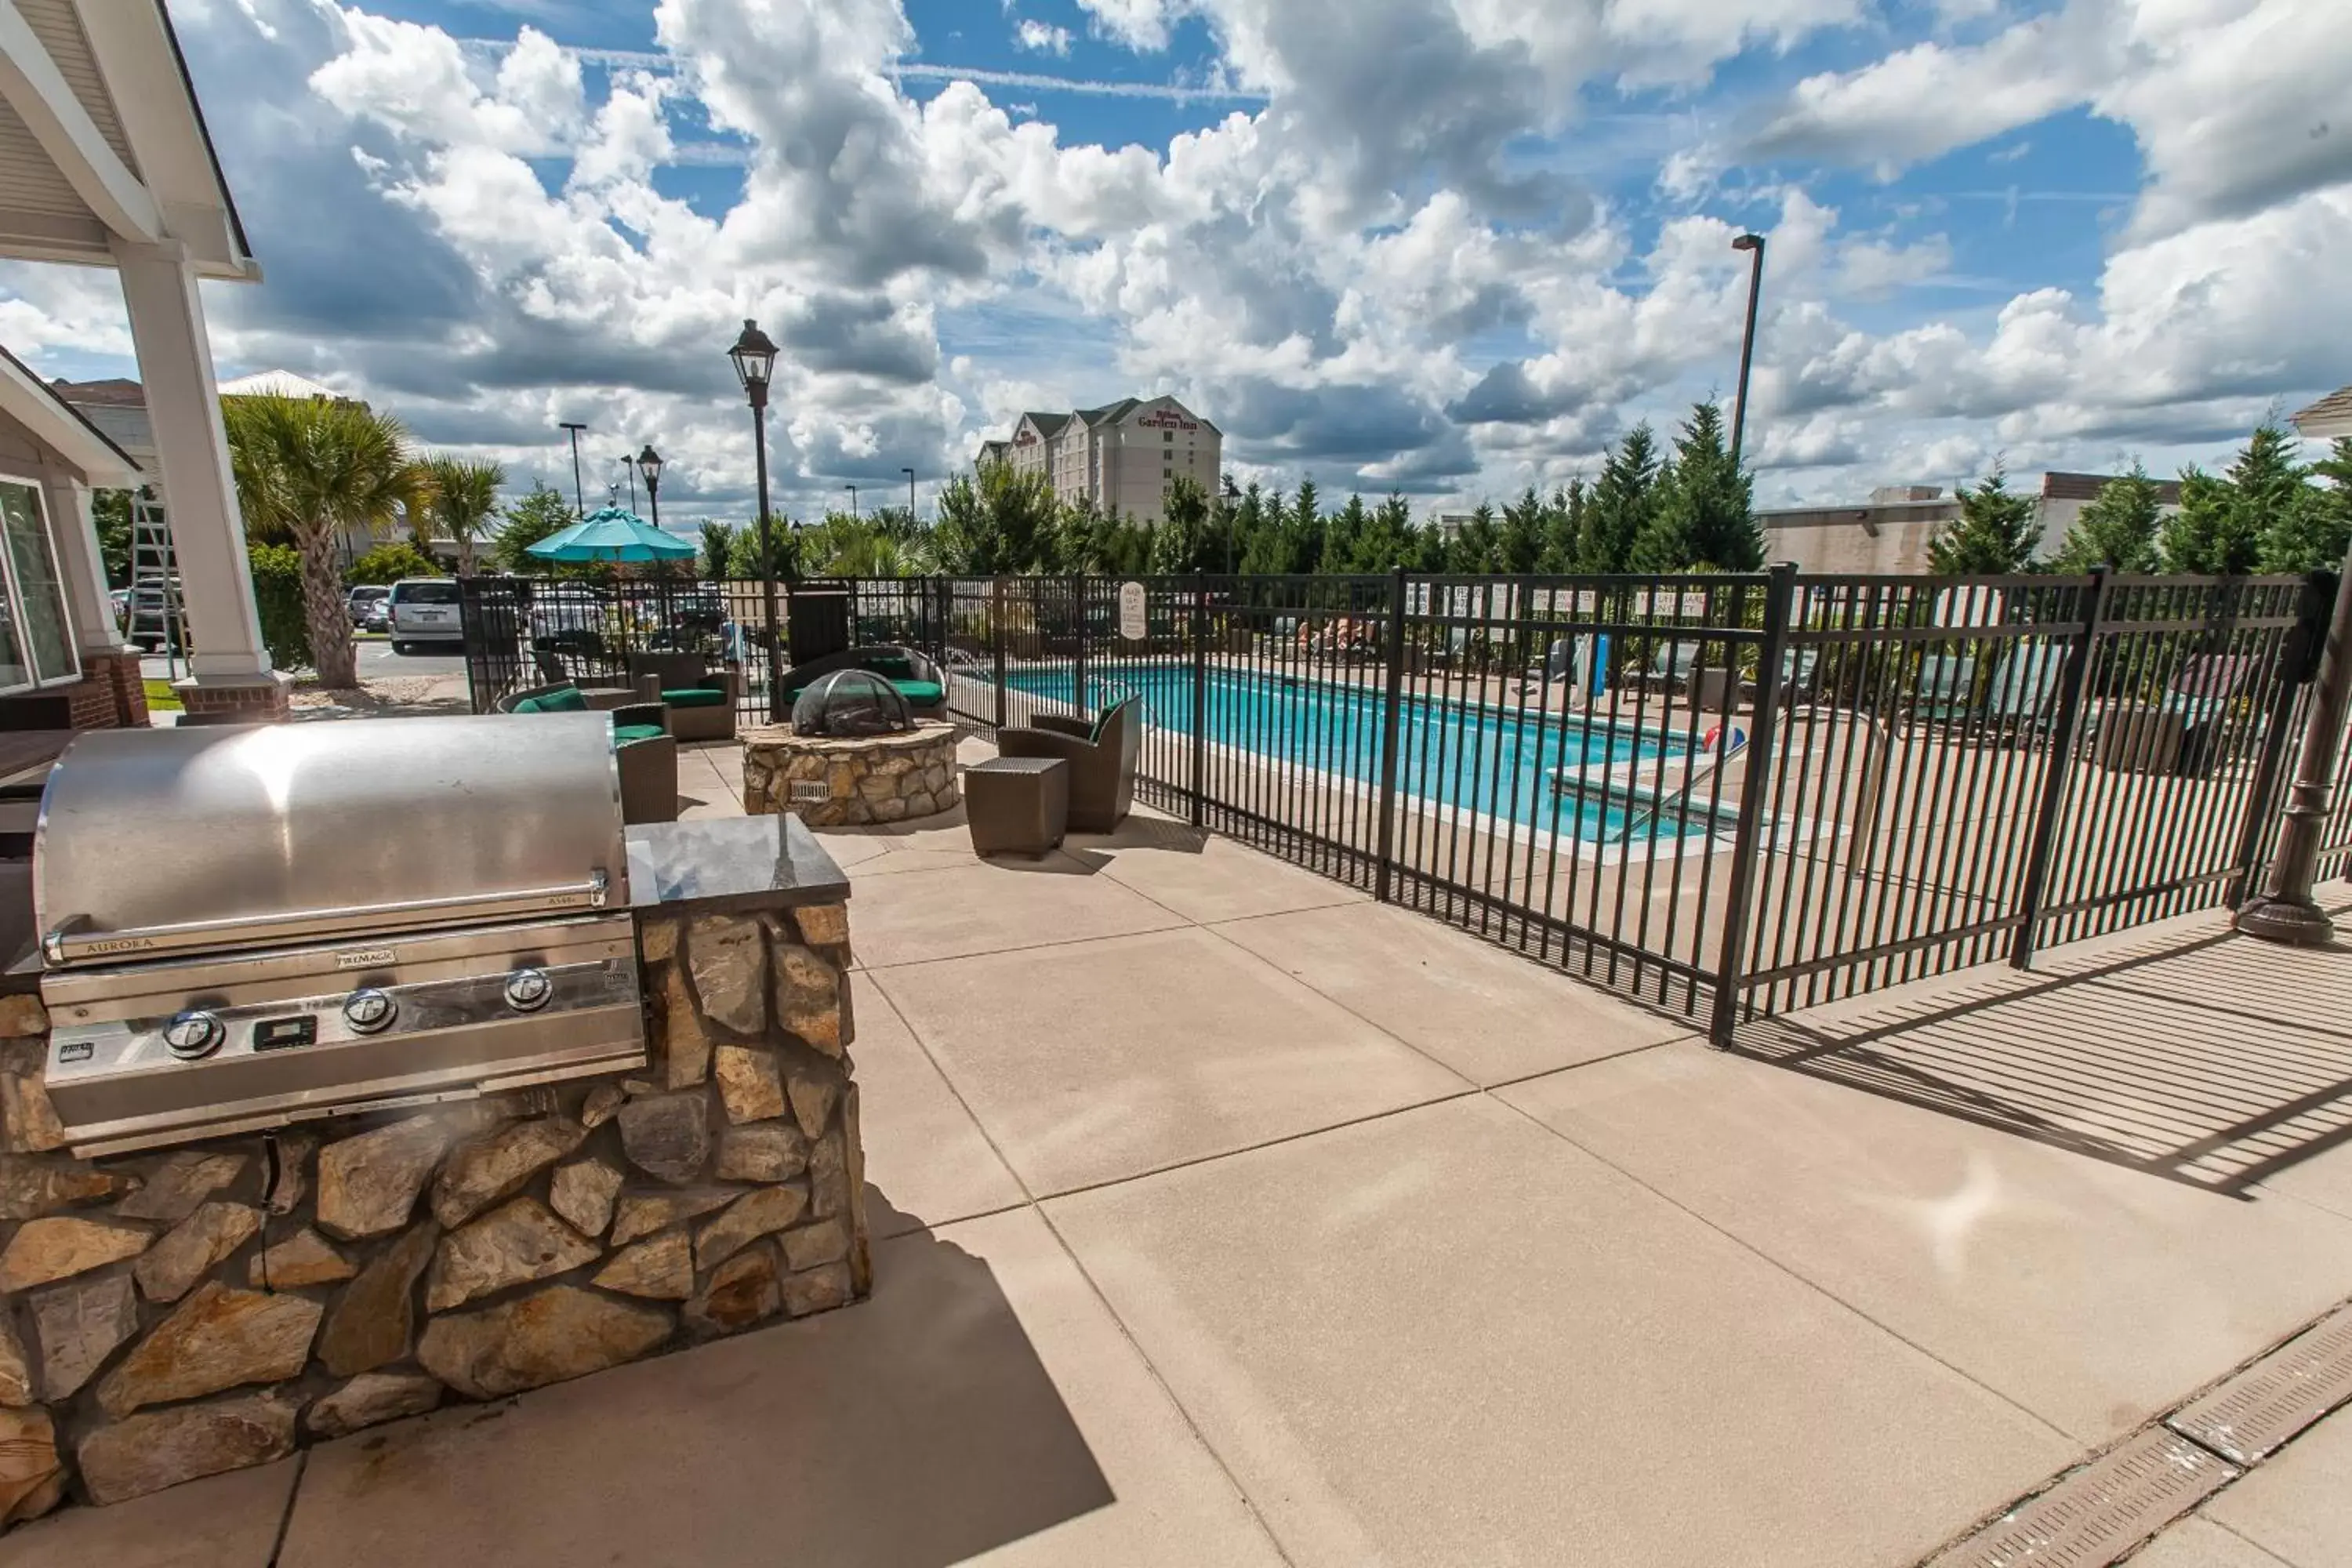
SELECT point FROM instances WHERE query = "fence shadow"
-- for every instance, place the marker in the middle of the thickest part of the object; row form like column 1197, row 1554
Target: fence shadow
column 2200, row 1056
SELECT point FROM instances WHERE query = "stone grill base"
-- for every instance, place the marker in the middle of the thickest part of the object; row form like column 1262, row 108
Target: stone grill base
column 177, row 1314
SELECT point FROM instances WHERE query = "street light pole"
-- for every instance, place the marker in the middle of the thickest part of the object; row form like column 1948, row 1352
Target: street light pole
column 910, row 496
column 1754, row 244
column 2287, row 912
column 1232, row 515
column 853, row 502
column 629, row 467
column 579, row 499
column 754, row 356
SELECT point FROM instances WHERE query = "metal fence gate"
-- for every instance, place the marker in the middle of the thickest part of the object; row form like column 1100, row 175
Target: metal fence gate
column 1727, row 795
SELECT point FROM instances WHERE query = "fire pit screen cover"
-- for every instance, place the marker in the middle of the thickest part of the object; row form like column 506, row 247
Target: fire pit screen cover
column 851, row 702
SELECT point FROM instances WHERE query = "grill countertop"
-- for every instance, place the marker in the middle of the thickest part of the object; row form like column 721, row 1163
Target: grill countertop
column 730, row 863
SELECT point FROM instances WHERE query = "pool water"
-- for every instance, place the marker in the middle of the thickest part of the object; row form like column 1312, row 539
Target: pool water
column 1496, row 762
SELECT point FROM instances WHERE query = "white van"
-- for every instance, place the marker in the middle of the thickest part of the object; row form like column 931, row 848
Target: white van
column 424, row 610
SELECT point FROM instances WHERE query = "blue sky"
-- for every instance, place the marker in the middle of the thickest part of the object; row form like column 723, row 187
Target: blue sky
column 1450, row 247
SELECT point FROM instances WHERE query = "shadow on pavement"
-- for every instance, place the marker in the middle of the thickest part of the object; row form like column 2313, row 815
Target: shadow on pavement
column 914, row 1430
column 2211, row 1059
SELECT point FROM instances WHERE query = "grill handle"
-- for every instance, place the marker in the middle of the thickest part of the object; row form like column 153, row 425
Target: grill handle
column 71, row 941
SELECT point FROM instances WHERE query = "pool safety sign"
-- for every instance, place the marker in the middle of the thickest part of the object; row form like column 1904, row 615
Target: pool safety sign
column 1133, row 625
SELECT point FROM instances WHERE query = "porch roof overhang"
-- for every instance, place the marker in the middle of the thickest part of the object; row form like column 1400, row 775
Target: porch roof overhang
column 80, row 445
column 2329, row 417
column 102, row 142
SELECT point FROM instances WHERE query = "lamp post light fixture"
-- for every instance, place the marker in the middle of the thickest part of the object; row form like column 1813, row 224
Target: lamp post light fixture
column 579, row 499
column 754, row 357
column 1754, row 244
column 649, row 463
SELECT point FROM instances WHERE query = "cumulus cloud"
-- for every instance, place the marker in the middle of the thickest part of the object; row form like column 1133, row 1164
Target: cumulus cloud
column 1041, row 37
column 1376, row 271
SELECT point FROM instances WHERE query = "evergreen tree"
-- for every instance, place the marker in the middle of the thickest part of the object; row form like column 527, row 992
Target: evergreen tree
column 1563, row 525
column 1302, row 530
column 1473, row 547
column 2117, row 529
column 1996, row 533
column 717, row 548
column 1520, row 546
column 2207, row 534
column 2268, row 490
column 1387, row 540
column 1259, row 526
column 1620, row 503
column 2308, row 531
column 1183, row 543
column 1342, row 535
column 1711, row 500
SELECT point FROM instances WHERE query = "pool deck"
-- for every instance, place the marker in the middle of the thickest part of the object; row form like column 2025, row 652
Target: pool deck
column 1229, row 1218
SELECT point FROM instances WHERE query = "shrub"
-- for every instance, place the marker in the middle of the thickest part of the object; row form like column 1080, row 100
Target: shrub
column 278, row 595
column 389, row 564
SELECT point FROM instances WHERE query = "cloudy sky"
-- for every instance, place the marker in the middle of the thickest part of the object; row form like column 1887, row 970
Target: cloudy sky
column 1450, row 246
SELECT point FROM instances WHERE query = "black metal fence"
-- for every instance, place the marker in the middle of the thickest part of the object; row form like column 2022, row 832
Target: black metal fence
column 1733, row 794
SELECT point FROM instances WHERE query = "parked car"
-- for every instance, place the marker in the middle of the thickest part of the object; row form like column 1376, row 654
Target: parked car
column 425, row 612
column 369, row 608
column 566, row 618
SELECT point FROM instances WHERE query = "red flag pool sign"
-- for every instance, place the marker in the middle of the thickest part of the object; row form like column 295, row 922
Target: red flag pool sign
column 1133, row 625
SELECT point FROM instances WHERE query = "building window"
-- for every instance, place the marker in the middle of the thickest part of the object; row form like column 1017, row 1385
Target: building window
column 1170, row 435
column 37, row 645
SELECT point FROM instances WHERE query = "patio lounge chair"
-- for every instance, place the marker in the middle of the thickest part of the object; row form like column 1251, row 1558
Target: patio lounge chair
column 642, row 745
column 2024, row 692
column 1101, row 757
column 918, row 680
column 701, row 700
column 1947, row 690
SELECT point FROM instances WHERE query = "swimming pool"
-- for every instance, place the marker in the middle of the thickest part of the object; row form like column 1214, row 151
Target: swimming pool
column 1497, row 763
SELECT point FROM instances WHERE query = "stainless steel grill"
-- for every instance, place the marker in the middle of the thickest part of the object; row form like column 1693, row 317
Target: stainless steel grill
column 243, row 927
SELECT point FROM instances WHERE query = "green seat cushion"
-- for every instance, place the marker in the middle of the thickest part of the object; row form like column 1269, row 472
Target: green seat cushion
column 696, row 697
column 566, row 700
column 890, row 666
column 921, row 693
column 623, row 734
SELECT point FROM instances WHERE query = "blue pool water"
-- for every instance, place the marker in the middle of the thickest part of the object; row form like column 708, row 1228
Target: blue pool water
column 1496, row 761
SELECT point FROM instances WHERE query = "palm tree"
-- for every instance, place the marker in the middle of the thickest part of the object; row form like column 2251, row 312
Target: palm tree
column 464, row 497
column 314, row 469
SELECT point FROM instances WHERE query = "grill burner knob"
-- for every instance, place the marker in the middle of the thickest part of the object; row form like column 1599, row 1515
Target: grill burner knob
column 528, row 990
column 370, row 1010
column 193, row 1035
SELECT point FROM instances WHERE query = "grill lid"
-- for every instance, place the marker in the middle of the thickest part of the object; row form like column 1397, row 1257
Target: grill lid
column 154, row 841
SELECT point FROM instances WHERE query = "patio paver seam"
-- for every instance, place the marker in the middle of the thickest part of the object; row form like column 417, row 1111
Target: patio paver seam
column 293, row 1496
column 2041, row 1421
column 1126, row 1333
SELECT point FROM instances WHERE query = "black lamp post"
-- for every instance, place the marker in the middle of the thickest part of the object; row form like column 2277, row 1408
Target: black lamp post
column 1754, row 244
column 2287, row 912
column 579, row 499
column 853, row 502
column 754, row 356
column 910, row 496
column 649, row 463
column 1233, row 518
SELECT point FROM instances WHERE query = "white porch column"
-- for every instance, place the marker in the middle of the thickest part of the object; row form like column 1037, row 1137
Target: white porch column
column 80, row 564
column 176, row 365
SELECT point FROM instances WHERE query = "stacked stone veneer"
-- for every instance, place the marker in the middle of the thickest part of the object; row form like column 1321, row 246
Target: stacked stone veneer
column 173, row 1315
column 846, row 781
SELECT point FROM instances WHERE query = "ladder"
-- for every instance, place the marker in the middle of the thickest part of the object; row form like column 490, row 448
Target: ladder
column 155, row 619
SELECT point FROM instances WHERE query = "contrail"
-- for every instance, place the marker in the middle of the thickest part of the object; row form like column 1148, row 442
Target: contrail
column 924, row 70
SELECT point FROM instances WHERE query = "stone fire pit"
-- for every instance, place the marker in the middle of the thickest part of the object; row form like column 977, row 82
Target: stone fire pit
column 850, row 780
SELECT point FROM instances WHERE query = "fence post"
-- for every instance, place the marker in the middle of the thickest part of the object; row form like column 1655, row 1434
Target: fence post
column 1392, row 715
column 2298, row 664
column 1200, row 696
column 996, row 644
column 2066, row 733
column 1078, row 659
column 1779, row 600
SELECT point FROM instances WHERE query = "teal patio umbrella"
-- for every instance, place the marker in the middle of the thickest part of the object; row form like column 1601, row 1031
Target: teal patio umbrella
column 614, row 533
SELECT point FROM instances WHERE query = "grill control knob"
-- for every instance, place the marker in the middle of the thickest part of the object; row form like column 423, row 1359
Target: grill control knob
column 370, row 1010
column 528, row 990
column 193, row 1035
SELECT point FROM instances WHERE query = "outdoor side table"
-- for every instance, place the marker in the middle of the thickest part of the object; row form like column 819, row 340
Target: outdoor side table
column 1017, row 805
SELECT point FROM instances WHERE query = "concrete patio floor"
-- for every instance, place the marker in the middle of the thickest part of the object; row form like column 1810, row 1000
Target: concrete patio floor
column 1226, row 1217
